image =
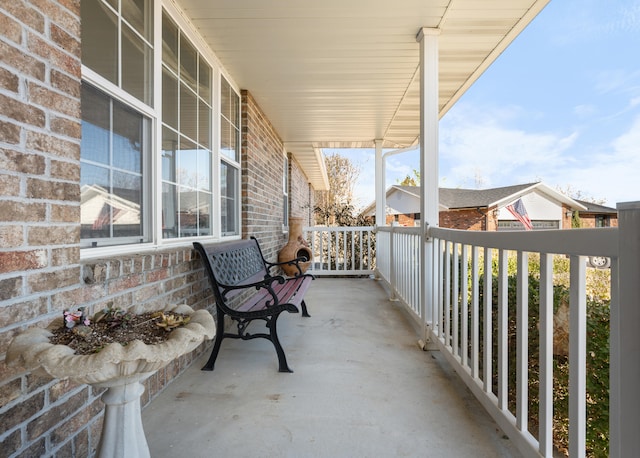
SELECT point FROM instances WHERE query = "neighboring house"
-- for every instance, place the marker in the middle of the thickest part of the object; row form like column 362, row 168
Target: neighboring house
column 484, row 209
column 597, row 215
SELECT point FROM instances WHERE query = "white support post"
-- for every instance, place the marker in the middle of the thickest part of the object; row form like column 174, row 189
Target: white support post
column 625, row 338
column 429, row 119
column 381, row 198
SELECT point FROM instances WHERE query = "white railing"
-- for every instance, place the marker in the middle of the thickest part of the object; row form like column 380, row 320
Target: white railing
column 341, row 250
column 477, row 333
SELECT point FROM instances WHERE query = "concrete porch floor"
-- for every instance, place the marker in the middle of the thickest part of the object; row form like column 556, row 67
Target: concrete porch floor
column 361, row 387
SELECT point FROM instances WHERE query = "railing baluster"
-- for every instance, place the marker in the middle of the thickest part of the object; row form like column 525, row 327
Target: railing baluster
column 455, row 290
column 503, row 328
column 545, row 394
column 522, row 340
column 475, row 313
column 464, row 315
column 447, row 293
column 488, row 322
column 577, row 357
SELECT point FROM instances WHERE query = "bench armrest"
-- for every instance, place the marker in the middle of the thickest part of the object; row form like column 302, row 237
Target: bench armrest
column 263, row 284
column 293, row 262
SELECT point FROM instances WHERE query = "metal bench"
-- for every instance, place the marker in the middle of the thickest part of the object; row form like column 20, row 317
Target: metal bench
column 245, row 290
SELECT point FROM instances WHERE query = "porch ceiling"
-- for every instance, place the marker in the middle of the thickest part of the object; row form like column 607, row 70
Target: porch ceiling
column 341, row 73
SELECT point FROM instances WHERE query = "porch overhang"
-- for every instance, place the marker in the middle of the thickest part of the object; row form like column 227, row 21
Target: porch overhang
column 343, row 73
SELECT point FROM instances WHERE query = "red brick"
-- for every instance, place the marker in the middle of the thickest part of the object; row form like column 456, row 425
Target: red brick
column 17, row 211
column 60, row 389
column 13, row 261
column 53, row 235
column 24, row 13
column 56, row 414
column 124, row 283
column 10, row 288
column 59, row 147
column 55, row 56
column 11, row 237
column 9, row 80
column 11, row 443
column 9, row 186
column 64, row 14
column 22, row 411
column 65, row 256
column 23, row 311
column 54, row 190
column 67, row 127
column 38, row 448
column 67, row 42
column 10, row 391
column 48, row 281
column 65, row 213
column 16, row 161
column 21, row 112
column 64, row 170
column 24, row 64
column 55, row 101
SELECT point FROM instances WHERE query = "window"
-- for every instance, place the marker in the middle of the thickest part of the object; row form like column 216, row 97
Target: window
column 191, row 140
column 187, row 159
column 285, row 194
column 229, row 159
column 115, row 148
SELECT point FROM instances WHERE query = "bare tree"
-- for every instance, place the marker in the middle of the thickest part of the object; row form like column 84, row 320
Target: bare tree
column 335, row 206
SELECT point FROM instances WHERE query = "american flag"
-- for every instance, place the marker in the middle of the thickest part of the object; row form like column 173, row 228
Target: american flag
column 104, row 218
column 517, row 209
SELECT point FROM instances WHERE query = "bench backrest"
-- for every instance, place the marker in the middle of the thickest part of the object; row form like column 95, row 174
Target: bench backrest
column 238, row 262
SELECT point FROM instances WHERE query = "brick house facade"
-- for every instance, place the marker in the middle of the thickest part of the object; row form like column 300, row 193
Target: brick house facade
column 41, row 269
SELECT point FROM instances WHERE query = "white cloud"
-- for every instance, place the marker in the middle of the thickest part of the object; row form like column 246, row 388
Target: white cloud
column 502, row 156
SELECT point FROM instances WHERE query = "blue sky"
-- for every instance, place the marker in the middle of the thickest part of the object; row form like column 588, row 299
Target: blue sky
column 561, row 105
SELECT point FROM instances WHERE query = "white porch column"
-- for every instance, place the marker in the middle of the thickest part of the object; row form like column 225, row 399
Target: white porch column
column 429, row 119
column 380, row 186
column 625, row 338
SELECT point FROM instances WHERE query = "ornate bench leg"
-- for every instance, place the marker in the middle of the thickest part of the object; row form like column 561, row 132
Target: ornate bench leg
column 304, row 309
column 216, row 347
column 273, row 334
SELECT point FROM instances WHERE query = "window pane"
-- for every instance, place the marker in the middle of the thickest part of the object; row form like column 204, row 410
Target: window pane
column 204, row 170
column 169, row 43
column 228, row 200
column 96, row 116
column 100, row 39
column 169, row 211
column 188, row 64
column 169, row 147
column 187, row 163
column 126, row 210
column 112, row 194
column 169, row 99
column 204, row 81
column 204, row 124
column 188, row 213
column 228, row 143
column 127, row 139
column 188, row 113
column 136, row 13
column 204, row 213
column 136, row 60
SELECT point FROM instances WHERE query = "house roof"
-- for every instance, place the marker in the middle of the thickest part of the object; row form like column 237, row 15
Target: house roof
column 342, row 73
column 458, row 198
column 596, row 208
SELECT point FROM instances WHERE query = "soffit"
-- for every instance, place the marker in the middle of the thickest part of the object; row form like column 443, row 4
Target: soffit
column 342, row 73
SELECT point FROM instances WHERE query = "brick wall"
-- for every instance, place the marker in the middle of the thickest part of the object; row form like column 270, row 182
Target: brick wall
column 262, row 171
column 301, row 195
column 470, row 220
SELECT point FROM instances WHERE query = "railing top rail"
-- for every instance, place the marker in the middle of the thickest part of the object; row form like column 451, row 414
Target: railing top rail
column 403, row 229
column 339, row 228
column 579, row 242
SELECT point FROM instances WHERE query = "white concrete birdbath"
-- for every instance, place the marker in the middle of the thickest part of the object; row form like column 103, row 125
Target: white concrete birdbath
column 119, row 369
